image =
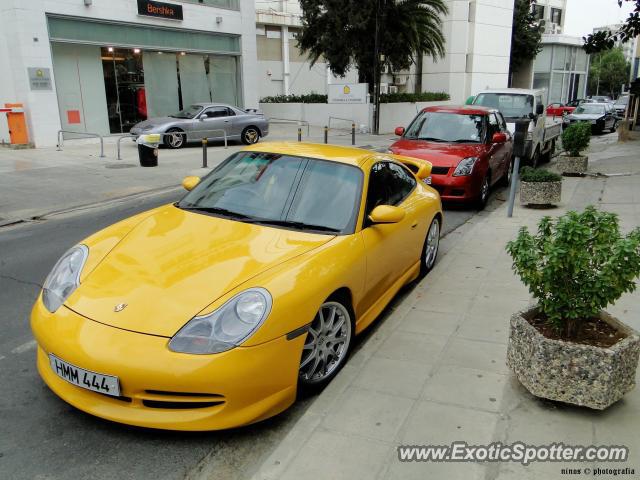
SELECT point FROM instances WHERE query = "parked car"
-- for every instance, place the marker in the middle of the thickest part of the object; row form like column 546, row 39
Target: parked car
column 620, row 105
column 600, row 99
column 210, row 313
column 206, row 120
column 559, row 109
column 525, row 104
column 602, row 116
column 578, row 101
column 470, row 148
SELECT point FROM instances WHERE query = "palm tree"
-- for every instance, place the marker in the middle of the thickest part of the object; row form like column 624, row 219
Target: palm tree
column 343, row 33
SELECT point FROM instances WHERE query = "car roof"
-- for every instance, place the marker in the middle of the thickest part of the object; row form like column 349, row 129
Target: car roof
column 335, row 153
column 461, row 109
column 206, row 105
column 514, row 91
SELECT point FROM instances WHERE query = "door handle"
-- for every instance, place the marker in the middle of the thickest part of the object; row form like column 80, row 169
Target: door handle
column 414, row 224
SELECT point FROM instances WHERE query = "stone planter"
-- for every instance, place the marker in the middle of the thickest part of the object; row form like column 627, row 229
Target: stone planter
column 540, row 193
column 584, row 375
column 572, row 165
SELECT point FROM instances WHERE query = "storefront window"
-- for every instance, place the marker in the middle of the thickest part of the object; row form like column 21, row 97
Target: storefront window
column 124, row 87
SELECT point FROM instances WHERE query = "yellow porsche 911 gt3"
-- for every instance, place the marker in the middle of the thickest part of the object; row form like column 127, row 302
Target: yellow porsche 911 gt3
column 211, row 312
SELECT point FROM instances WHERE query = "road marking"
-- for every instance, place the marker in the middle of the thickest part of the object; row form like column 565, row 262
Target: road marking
column 25, row 347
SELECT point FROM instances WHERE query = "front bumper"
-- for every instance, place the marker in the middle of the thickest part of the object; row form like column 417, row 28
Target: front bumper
column 164, row 389
column 461, row 189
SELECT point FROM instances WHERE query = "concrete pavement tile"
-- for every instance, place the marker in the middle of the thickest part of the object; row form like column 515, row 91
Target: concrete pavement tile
column 427, row 470
column 466, row 387
column 515, row 471
column 411, row 346
column 425, row 321
column 476, row 354
column 367, row 413
column 432, row 423
column 327, row 398
column 330, row 455
column 396, row 377
column 450, row 302
column 489, row 329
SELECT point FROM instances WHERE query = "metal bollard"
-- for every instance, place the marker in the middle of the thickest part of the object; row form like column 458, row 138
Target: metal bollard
column 204, row 152
column 299, row 134
column 326, row 134
column 353, row 134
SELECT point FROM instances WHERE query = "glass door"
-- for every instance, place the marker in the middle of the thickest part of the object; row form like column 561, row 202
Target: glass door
column 124, row 86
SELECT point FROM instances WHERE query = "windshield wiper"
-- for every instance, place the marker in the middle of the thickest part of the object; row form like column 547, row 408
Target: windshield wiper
column 300, row 225
column 221, row 211
column 464, row 140
column 432, row 139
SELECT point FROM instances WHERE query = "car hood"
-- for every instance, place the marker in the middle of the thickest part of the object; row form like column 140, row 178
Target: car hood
column 175, row 263
column 585, row 116
column 157, row 122
column 439, row 154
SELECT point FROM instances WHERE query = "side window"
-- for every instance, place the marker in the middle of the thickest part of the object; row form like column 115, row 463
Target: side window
column 493, row 125
column 216, row 112
column 538, row 102
column 389, row 184
column 502, row 123
column 230, row 112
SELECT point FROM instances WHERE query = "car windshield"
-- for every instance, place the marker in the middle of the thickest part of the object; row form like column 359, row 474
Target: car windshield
column 623, row 100
column 511, row 105
column 189, row 112
column 447, row 127
column 281, row 190
column 589, row 109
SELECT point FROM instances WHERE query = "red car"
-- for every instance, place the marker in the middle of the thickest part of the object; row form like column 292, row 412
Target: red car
column 559, row 109
column 469, row 147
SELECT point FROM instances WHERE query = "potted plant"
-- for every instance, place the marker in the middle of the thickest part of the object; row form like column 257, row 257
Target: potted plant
column 539, row 187
column 567, row 348
column 575, row 139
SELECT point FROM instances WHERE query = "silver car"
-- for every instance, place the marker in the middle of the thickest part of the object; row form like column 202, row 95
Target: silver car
column 206, row 120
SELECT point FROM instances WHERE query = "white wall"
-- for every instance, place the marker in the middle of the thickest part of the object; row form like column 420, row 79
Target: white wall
column 478, row 45
column 317, row 114
column 394, row 115
column 22, row 22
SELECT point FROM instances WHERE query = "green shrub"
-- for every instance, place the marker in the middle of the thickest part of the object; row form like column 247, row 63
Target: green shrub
column 576, row 138
column 576, row 265
column 530, row 174
column 413, row 97
column 306, row 98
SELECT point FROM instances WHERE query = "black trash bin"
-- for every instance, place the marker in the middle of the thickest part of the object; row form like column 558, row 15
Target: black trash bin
column 148, row 150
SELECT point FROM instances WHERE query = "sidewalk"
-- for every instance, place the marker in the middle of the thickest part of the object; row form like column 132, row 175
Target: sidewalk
column 36, row 182
column 433, row 369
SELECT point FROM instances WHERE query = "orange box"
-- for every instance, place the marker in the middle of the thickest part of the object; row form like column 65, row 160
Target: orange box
column 18, row 134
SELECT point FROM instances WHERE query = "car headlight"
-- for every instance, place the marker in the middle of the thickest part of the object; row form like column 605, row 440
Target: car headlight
column 226, row 327
column 465, row 167
column 64, row 278
column 146, row 128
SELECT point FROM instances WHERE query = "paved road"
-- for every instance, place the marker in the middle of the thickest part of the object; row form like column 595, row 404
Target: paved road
column 42, row 437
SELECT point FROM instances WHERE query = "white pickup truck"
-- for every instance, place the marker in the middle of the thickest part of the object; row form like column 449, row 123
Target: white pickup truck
column 517, row 103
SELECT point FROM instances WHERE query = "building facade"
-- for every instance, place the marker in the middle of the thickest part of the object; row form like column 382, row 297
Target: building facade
column 100, row 66
column 561, row 68
column 282, row 68
column 478, row 48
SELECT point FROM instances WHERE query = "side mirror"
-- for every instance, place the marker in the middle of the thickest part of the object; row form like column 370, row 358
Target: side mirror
column 499, row 137
column 189, row 183
column 386, row 214
column 399, row 131
column 539, row 109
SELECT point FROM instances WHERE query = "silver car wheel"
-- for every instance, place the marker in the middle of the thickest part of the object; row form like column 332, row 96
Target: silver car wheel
column 327, row 343
column 251, row 136
column 175, row 139
column 432, row 244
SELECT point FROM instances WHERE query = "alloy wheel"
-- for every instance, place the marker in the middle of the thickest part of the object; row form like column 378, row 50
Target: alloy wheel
column 250, row 136
column 327, row 343
column 175, row 139
column 431, row 245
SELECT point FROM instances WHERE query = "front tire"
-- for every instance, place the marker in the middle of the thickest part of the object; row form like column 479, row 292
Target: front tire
column 485, row 189
column 430, row 248
column 327, row 345
column 250, row 135
column 176, row 140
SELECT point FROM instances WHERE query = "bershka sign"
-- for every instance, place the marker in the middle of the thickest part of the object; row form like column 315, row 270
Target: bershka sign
column 348, row 93
column 152, row 8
